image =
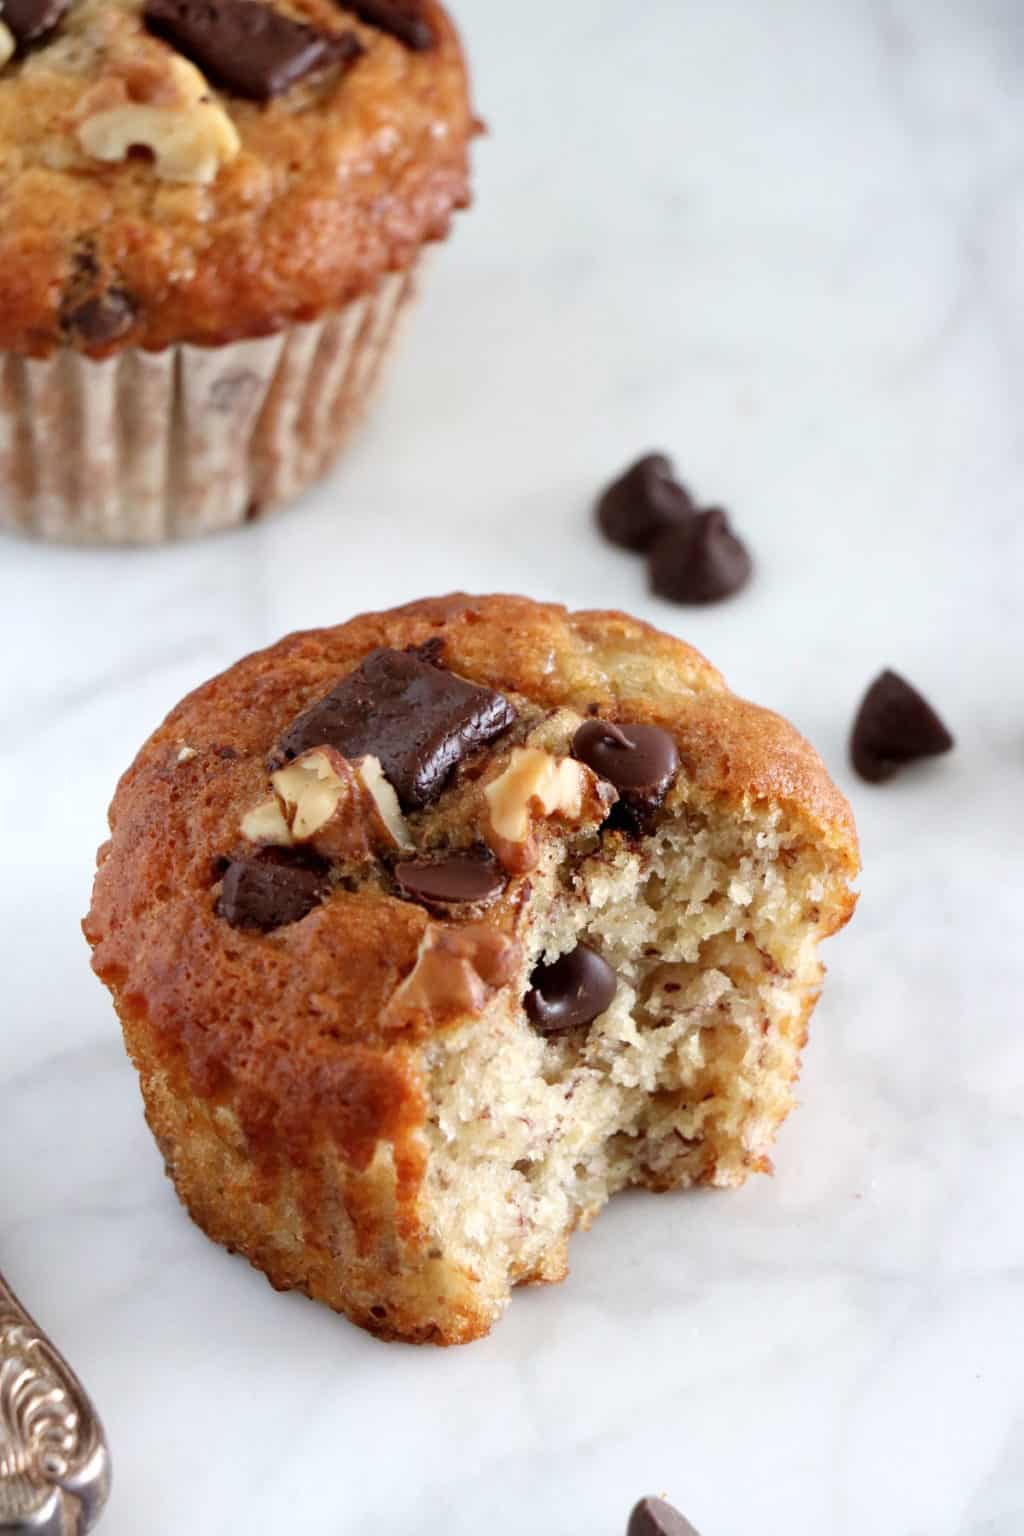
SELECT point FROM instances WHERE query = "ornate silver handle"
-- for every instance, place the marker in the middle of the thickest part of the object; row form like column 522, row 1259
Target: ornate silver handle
column 54, row 1462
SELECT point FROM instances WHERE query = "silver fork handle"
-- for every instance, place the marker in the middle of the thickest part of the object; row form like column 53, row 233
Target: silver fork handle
column 54, row 1461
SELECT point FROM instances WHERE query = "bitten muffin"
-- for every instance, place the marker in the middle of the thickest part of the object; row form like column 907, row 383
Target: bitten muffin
column 430, row 932
column 211, row 216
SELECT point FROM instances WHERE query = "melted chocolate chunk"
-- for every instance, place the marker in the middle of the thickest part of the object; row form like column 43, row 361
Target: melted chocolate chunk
column 419, row 720
column 461, row 877
column 404, row 19
column 571, row 992
column 101, row 319
column 245, row 46
column 265, row 894
column 653, row 1517
column 894, row 726
column 641, row 761
column 30, row 20
column 642, row 503
column 699, row 561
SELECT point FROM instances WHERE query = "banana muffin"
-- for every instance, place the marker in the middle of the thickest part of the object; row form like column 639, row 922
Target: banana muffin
column 430, row 932
column 211, row 216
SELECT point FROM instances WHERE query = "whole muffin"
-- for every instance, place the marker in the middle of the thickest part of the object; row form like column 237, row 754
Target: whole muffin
column 430, row 932
column 211, row 216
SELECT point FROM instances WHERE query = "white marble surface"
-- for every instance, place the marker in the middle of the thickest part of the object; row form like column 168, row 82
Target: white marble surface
column 784, row 241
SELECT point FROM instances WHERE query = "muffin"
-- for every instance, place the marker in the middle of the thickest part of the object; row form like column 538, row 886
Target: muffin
column 430, row 932
column 212, row 214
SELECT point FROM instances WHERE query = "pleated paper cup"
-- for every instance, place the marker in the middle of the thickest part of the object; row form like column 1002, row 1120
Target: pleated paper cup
column 146, row 447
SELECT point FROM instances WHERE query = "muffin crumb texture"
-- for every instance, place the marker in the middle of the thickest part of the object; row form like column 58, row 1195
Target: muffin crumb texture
column 397, row 1045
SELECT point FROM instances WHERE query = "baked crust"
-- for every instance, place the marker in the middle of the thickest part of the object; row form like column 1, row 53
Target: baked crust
column 271, row 1053
column 338, row 180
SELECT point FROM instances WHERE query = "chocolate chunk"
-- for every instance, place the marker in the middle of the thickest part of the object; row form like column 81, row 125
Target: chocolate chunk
column 404, row 19
column 894, row 725
column 419, row 720
column 571, row 992
column 700, row 560
column 30, row 20
column 459, row 878
column 264, row 894
column 642, row 503
column 245, row 46
column 641, row 761
column 653, row 1517
column 101, row 319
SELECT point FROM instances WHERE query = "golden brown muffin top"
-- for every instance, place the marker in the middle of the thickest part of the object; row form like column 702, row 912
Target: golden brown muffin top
column 156, row 191
column 299, row 1024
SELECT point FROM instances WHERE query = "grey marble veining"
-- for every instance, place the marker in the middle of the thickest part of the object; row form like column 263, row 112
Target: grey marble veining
column 785, row 243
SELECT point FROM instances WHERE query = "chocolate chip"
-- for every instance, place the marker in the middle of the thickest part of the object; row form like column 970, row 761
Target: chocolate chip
column 30, row 20
column 245, row 46
column 103, row 318
column 700, row 560
column 894, row 725
column 459, row 878
column 653, row 1517
column 642, row 503
column 404, row 19
column 571, row 992
column 641, row 761
column 419, row 720
column 258, row 893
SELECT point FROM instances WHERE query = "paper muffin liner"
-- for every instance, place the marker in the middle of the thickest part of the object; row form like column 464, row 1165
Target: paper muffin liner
column 145, row 447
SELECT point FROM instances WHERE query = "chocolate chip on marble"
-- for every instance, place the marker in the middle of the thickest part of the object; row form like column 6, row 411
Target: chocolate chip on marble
column 419, row 720
column 641, row 761
column 245, row 46
column 102, row 318
column 654, row 1517
column 700, row 560
column 404, row 19
column 571, row 992
column 29, row 20
column 642, row 503
column 265, row 894
column 459, row 878
column 895, row 725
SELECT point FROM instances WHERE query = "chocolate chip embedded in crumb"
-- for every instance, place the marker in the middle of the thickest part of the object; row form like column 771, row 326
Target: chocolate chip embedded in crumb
column 265, row 895
column 404, row 19
column 642, row 503
column 460, row 878
column 895, row 725
column 571, row 992
column 641, row 761
column 654, row 1517
column 419, row 720
column 699, row 561
column 245, row 46
column 99, row 320
column 29, row 20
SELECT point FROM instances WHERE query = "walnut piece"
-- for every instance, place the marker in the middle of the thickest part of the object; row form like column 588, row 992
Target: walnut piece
column 536, row 784
column 189, row 134
column 457, row 971
column 344, row 810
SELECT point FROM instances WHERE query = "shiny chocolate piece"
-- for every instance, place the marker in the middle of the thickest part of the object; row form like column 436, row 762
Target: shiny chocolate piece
column 654, row 1517
column 245, row 46
column 642, row 503
column 29, row 20
column 895, row 725
column 476, row 879
column 103, row 318
column 268, row 894
column 571, row 992
column 641, row 761
column 406, row 20
column 419, row 720
column 700, row 560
